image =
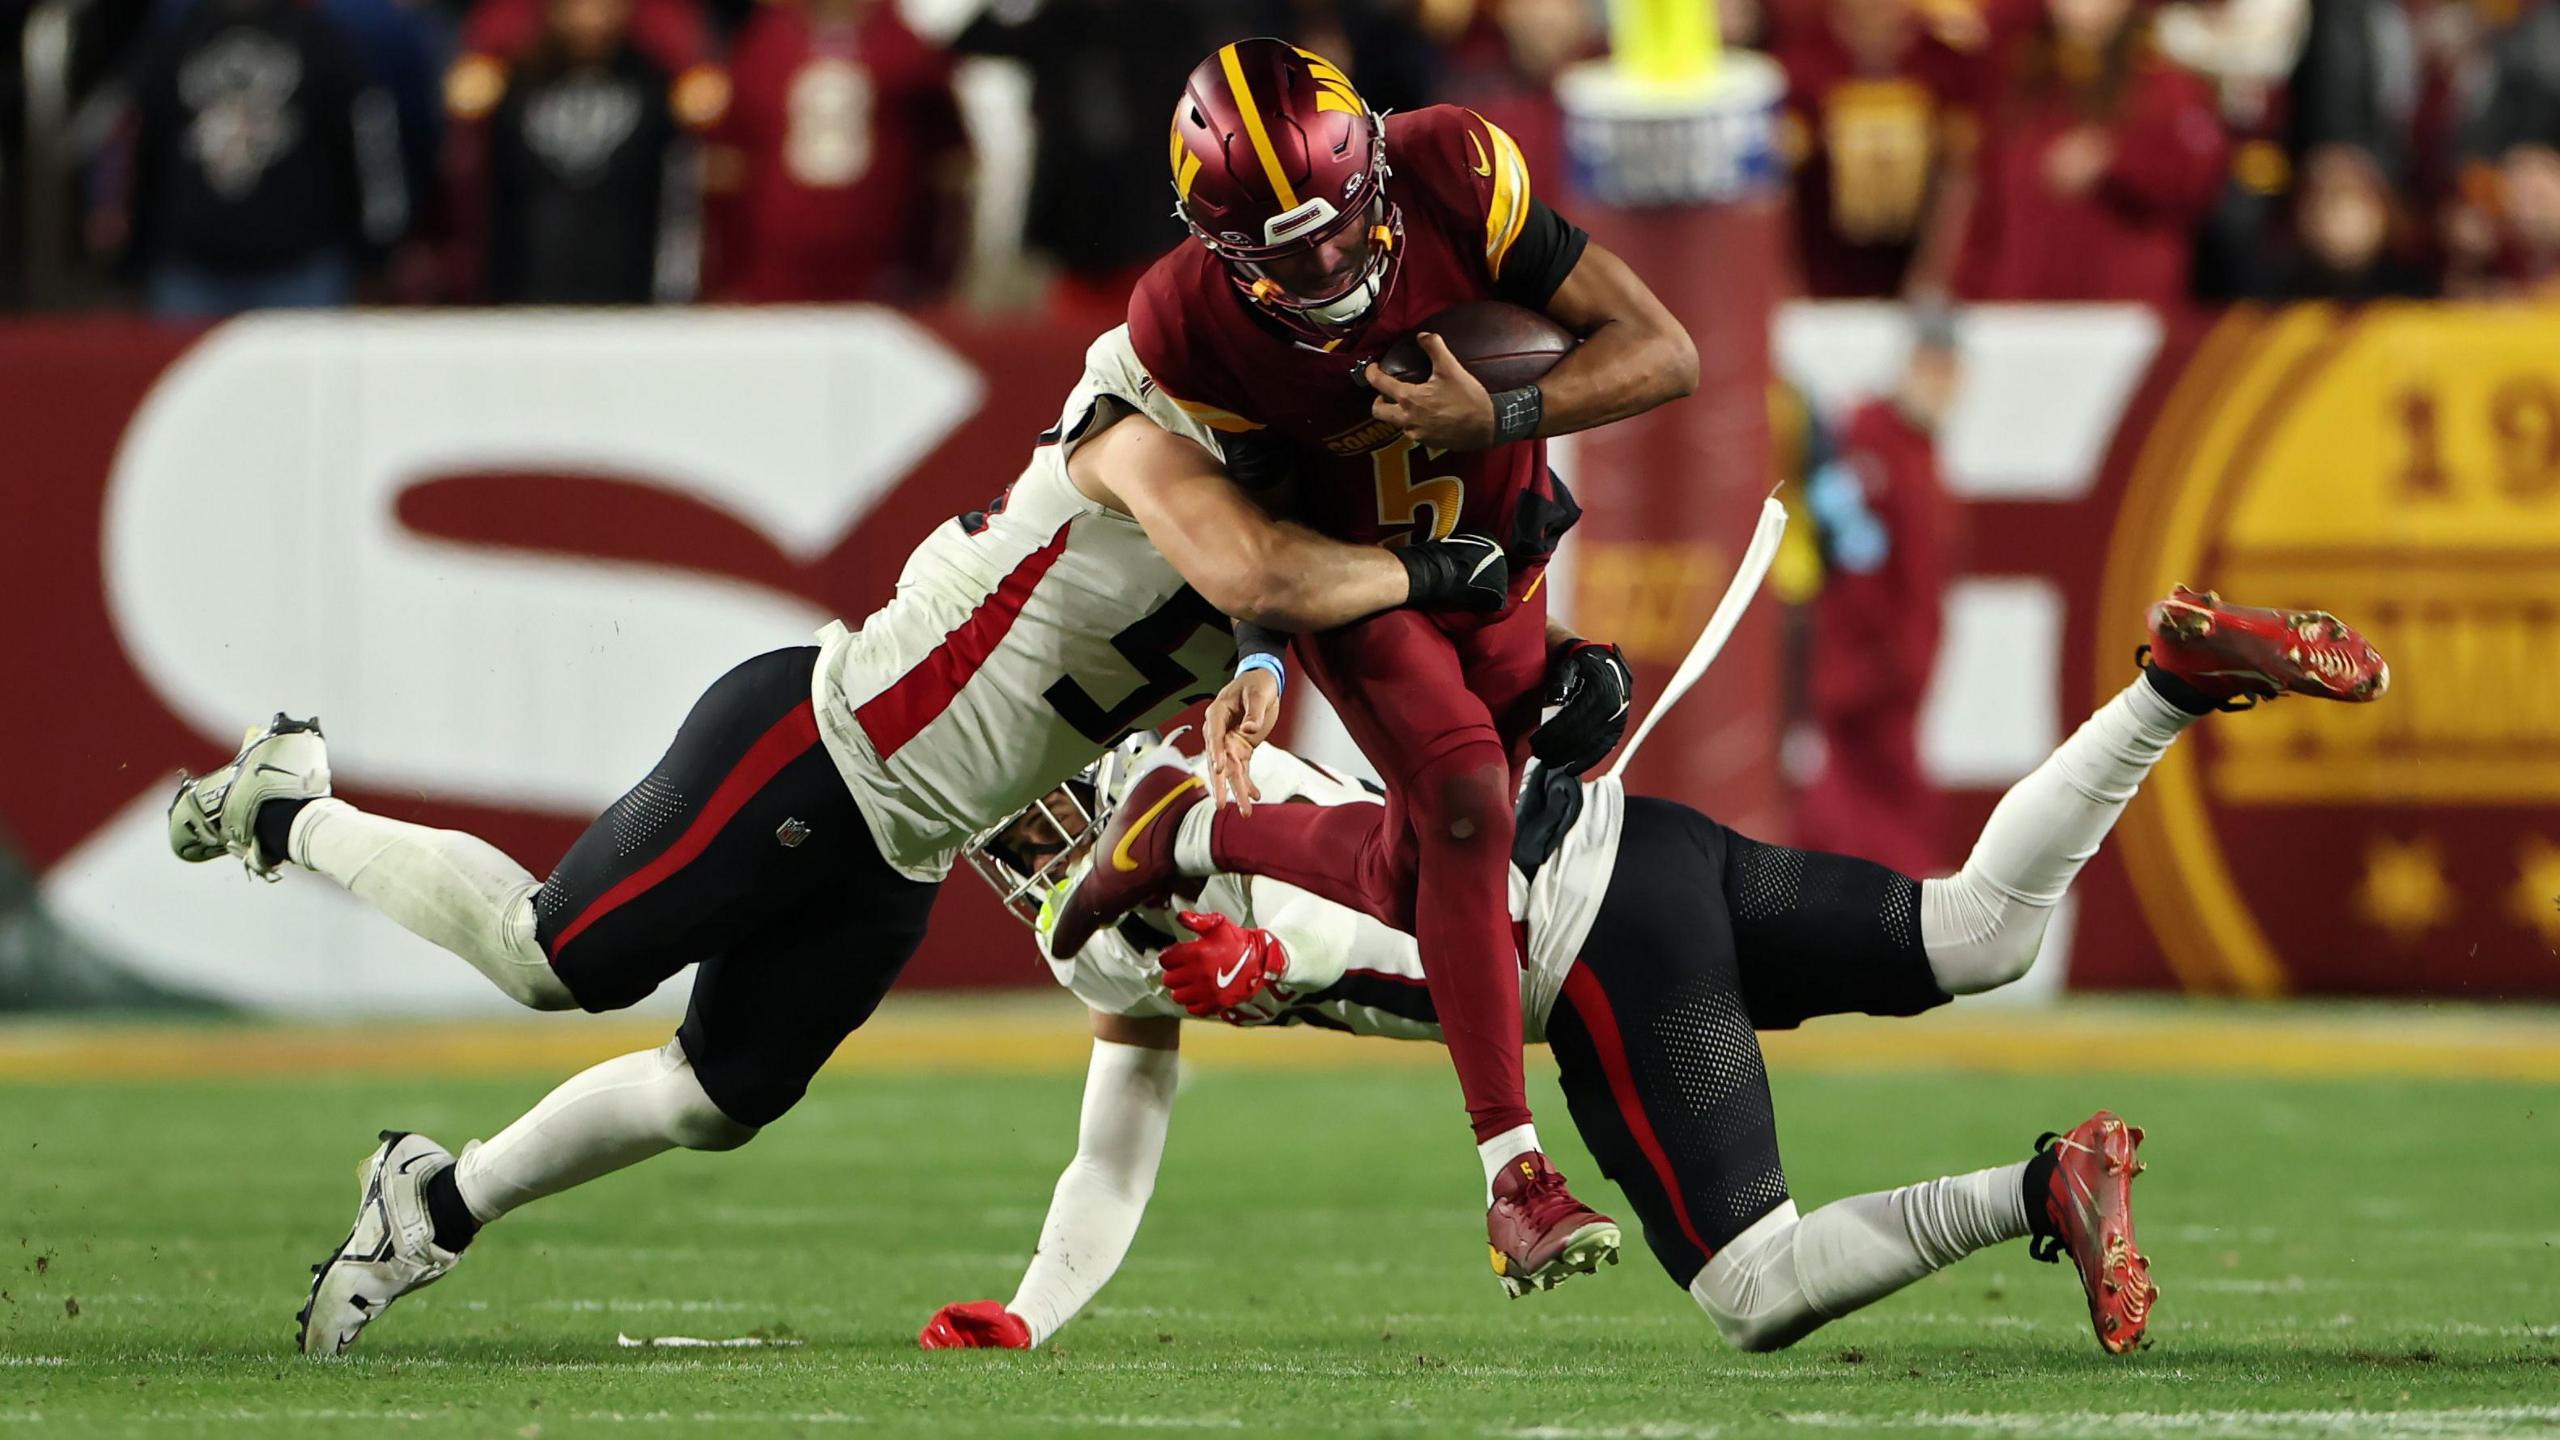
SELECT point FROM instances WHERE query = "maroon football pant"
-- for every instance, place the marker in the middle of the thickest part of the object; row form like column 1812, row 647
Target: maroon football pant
column 1445, row 715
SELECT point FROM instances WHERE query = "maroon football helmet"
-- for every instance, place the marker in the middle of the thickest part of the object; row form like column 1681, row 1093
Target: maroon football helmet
column 1281, row 170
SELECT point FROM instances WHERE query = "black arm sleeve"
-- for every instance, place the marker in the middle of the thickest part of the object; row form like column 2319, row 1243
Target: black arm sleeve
column 1547, row 250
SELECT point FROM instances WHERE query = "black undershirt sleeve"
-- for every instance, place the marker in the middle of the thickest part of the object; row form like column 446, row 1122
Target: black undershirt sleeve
column 1547, row 250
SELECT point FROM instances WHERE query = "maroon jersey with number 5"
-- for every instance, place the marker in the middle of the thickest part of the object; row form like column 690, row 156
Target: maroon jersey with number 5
column 1472, row 231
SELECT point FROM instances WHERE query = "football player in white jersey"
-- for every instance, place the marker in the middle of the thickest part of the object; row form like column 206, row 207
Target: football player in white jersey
column 792, row 839
column 1656, row 943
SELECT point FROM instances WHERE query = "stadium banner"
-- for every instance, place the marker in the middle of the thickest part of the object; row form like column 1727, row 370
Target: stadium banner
column 501, row 554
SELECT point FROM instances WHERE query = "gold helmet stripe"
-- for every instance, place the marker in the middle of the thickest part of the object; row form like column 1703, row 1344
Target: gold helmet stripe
column 1333, row 88
column 1186, row 164
column 1253, row 128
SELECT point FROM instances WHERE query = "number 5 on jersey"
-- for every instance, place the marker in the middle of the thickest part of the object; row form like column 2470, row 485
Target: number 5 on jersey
column 1429, row 507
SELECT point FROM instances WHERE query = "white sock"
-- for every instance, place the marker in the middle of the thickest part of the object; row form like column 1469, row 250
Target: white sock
column 456, row 890
column 1783, row 1277
column 1502, row 1149
column 601, row 1120
column 1191, row 842
column 1981, row 927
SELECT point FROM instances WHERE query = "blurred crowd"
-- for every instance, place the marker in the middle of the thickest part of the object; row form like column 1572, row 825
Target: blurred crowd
column 2214, row 149
column 224, row 154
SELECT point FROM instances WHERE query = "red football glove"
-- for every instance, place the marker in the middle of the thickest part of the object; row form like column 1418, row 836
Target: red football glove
column 1222, row 970
column 974, row 1325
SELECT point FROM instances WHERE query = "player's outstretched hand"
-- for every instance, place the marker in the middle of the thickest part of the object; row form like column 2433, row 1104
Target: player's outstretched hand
column 1240, row 719
column 974, row 1325
column 1226, row 969
column 1450, row 410
column 1594, row 690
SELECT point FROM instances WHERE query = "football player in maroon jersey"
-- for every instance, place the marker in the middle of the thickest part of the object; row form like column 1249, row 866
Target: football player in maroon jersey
column 1326, row 232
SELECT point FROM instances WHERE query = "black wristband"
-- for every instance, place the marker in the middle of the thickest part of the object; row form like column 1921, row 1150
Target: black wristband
column 1517, row 413
column 1252, row 639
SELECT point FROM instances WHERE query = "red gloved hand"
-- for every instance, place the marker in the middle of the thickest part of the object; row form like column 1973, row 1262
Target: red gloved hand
column 1225, row 968
column 974, row 1325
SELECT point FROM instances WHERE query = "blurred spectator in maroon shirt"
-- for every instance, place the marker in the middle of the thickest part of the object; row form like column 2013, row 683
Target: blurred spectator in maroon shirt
column 591, row 191
column 2352, row 236
column 1885, row 529
column 2097, row 167
column 837, row 168
column 1882, row 120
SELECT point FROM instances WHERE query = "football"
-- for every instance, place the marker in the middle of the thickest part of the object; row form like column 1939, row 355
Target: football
column 1503, row 346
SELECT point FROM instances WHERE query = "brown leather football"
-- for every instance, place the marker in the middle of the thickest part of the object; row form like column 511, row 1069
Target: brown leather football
column 1503, row 346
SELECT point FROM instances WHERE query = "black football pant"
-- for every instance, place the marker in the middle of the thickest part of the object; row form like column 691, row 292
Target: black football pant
column 741, row 852
column 1704, row 937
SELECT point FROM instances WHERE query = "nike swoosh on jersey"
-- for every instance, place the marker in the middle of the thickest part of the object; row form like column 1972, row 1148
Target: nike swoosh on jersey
column 1482, row 166
column 1120, row 858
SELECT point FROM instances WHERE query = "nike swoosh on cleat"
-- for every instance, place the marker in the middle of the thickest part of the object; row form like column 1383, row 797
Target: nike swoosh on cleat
column 265, row 769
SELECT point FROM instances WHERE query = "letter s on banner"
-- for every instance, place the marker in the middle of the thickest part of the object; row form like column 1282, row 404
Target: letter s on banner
column 255, row 562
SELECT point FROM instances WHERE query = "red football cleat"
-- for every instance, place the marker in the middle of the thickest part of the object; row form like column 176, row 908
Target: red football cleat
column 1132, row 862
column 2238, row 655
column 974, row 1325
column 2088, row 1210
column 1540, row 1235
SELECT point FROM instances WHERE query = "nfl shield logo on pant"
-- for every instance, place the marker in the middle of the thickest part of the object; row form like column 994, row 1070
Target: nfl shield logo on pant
column 791, row 833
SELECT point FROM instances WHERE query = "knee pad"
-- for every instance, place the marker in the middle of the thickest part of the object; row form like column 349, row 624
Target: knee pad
column 1463, row 797
column 537, row 989
column 693, row 1119
column 526, row 977
column 1750, row 1291
column 1978, row 937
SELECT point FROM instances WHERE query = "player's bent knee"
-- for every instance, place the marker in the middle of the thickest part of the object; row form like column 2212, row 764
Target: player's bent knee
column 692, row 1119
column 704, row 1127
column 1753, row 1334
column 1750, row 1290
column 1464, row 796
column 1976, row 938
column 535, row 988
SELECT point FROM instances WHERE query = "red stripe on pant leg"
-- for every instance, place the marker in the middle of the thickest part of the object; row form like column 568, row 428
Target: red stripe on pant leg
column 788, row 740
column 1582, row 991
column 892, row 717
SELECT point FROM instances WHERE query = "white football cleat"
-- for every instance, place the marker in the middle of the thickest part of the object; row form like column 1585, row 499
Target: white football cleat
column 391, row 1251
column 217, row 814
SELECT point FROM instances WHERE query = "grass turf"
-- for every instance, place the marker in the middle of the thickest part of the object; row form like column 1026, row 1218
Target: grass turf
column 2336, row 1257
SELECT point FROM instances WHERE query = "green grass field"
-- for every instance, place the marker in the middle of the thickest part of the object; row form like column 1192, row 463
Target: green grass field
column 2368, row 1256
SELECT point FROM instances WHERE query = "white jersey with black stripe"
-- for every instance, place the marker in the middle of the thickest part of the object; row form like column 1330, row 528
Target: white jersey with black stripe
column 1351, row 972
column 1022, row 640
